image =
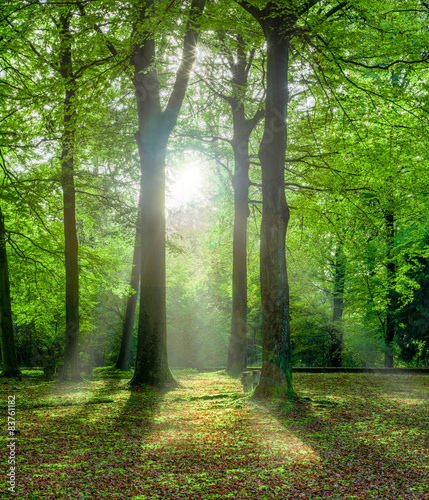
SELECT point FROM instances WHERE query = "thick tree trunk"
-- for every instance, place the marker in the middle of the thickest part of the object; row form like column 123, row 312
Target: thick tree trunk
column 8, row 351
column 338, row 307
column 278, row 26
column 151, row 359
column 276, row 374
column 71, row 365
column 123, row 360
column 389, row 218
column 276, row 346
column 155, row 127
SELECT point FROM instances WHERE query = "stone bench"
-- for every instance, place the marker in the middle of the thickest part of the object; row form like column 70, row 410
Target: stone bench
column 250, row 379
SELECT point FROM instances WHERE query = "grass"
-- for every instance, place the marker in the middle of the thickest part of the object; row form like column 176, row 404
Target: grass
column 360, row 437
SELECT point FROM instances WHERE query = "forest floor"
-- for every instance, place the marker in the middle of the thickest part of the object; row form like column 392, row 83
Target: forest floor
column 360, row 437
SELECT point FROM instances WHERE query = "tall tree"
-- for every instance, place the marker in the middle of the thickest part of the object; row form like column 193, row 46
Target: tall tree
column 238, row 54
column 55, row 43
column 242, row 129
column 277, row 25
column 281, row 21
column 8, row 350
column 71, row 352
column 155, row 127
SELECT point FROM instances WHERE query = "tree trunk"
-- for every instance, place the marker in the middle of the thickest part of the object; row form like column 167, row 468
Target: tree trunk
column 8, row 350
column 155, row 127
column 276, row 374
column 151, row 359
column 276, row 346
column 71, row 365
column 237, row 350
column 122, row 362
column 389, row 218
column 237, row 342
column 337, row 313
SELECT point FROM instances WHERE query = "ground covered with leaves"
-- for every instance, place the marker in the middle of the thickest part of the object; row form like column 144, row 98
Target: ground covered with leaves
column 357, row 437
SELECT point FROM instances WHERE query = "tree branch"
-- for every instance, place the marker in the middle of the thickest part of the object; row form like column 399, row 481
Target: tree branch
column 208, row 138
column 335, row 9
column 307, row 6
column 384, row 66
column 97, row 28
column 251, row 9
column 188, row 56
column 99, row 62
column 56, row 254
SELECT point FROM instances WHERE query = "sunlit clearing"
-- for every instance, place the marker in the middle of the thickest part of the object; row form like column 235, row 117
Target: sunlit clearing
column 186, row 185
column 227, row 421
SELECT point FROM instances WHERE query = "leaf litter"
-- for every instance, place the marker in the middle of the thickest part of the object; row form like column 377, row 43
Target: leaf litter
column 351, row 437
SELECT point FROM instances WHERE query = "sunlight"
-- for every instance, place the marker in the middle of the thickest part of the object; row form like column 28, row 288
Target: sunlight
column 216, row 423
column 186, row 185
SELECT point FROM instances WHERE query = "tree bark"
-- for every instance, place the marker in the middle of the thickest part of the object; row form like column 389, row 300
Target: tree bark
column 8, row 350
column 122, row 363
column 276, row 374
column 71, row 353
column 155, row 127
column 276, row 345
column 151, row 359
column 389, row 218
column 277, row 24
column 338, row 307
column 237, row 343
column 242, row 128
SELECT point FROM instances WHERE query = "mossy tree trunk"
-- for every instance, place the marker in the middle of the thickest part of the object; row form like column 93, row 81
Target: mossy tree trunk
column 276, row 369
column 276, row 375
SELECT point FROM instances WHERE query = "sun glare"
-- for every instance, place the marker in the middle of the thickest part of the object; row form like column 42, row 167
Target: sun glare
column 186, row 185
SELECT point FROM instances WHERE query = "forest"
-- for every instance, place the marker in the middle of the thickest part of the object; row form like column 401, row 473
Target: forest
column 195, row 192
column 246, row 179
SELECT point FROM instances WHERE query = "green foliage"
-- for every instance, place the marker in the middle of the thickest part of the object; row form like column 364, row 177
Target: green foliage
column 357, row 149
column 412, row 318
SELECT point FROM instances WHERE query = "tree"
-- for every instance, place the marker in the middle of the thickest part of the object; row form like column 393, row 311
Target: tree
column 237, row 88
column 122, row 361
column 54, row 43
column 71, row 361
column 155, row 127
column 277, row 25
column 242, row 129
column 8, row 350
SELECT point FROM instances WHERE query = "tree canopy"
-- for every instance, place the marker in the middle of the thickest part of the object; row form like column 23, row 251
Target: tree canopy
column 301, row 124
